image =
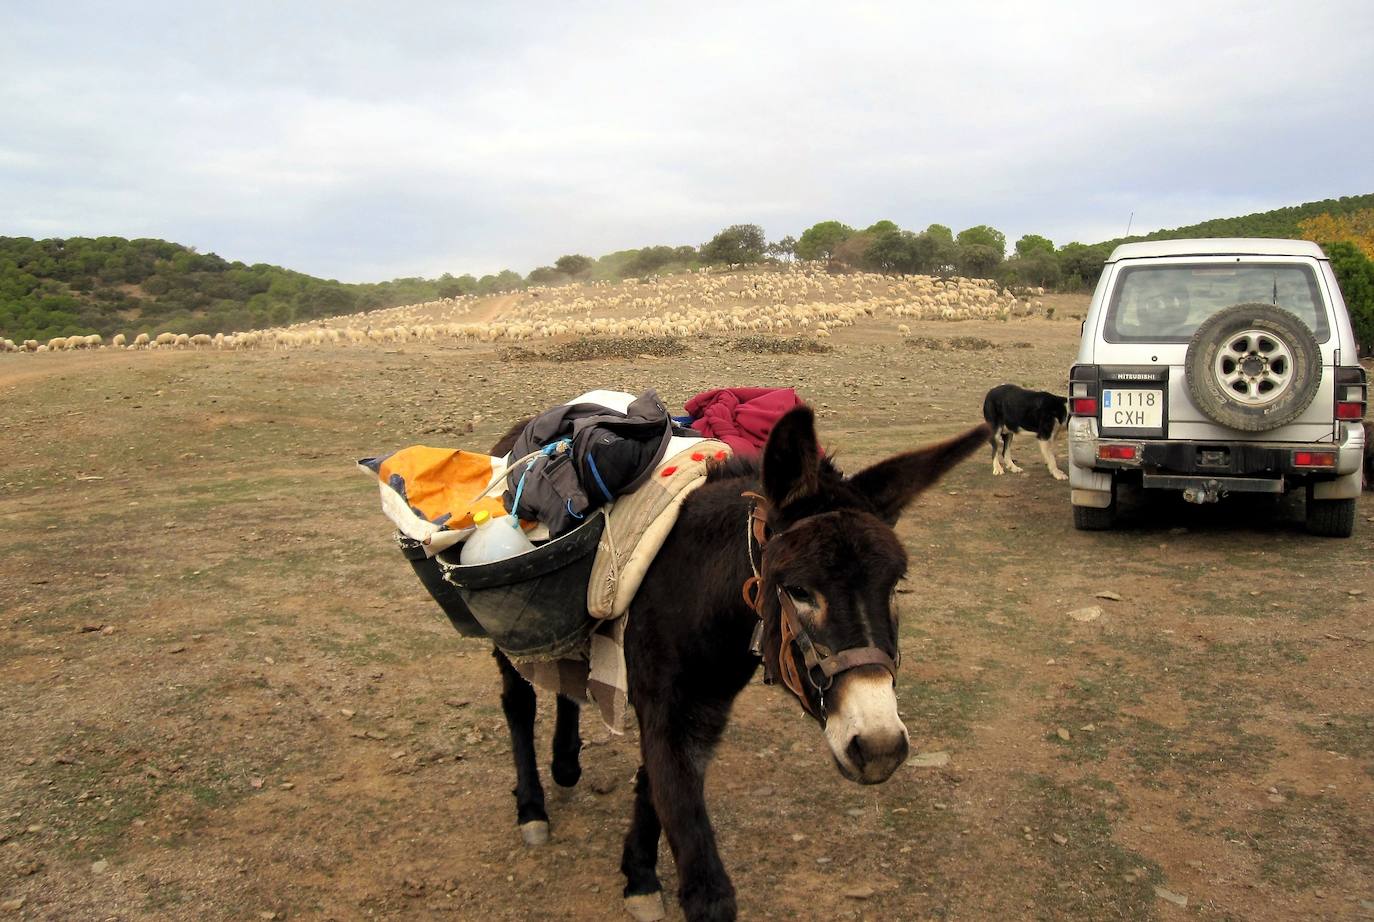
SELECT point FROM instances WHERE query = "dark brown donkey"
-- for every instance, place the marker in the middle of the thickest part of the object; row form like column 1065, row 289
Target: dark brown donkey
column 813, row 604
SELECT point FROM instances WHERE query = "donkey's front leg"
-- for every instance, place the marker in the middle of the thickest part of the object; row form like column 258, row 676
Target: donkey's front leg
column 517, row 700
column 677, row 744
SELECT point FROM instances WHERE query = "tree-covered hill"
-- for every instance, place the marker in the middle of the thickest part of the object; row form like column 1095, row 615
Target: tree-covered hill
column 1281, row 222
column 109, row 284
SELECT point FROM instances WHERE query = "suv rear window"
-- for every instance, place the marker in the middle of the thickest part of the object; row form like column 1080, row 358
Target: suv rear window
column 1167, row 303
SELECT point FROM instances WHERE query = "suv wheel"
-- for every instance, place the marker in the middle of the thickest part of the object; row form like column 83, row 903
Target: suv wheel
column 1330, row 518
column 1253, row 367
column 1092, row 518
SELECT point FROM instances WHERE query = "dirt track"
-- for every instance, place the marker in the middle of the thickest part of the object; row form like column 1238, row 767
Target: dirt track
column 227, row 696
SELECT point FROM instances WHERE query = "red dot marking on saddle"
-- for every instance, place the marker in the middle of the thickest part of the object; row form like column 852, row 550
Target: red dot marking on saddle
column 720, row 456
column 698, row 456
column 669, row 471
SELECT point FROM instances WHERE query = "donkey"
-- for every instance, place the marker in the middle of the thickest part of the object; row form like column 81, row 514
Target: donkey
column 786, row 563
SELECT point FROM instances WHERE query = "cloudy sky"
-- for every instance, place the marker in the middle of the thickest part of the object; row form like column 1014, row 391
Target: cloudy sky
column 361, row 143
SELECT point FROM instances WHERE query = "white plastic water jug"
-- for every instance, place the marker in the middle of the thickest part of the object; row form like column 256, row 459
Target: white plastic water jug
column 495, row 539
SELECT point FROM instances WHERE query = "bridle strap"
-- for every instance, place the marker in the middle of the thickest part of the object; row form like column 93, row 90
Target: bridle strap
column 794, row 637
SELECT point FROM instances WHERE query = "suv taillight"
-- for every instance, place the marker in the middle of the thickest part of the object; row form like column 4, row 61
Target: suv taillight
column 1083, row 390
column 1352, row 392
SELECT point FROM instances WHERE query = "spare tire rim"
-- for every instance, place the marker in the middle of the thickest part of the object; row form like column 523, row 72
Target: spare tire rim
column 1254, row 367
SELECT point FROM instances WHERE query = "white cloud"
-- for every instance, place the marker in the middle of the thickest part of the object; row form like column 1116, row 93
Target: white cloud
column 349, row 142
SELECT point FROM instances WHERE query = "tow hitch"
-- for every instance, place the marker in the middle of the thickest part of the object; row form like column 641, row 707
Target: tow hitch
column 1209, row 491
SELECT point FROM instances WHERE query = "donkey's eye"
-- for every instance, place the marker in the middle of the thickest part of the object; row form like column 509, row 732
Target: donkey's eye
column 798, row 594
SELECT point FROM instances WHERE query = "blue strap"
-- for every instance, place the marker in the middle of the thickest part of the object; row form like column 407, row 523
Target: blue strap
column 520, row 487
column 596, row 475
column 568, row 506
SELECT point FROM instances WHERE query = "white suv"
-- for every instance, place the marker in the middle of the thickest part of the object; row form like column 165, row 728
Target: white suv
column 1213, row 367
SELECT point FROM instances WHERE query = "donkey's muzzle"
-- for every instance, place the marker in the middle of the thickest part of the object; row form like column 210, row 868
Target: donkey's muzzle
column 866, row 737
column 875, row 758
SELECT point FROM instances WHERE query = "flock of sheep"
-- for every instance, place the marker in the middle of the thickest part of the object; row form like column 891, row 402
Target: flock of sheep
column 802, row 298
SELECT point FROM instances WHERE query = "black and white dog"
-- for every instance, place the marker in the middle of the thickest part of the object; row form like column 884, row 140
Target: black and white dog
column 1010, row 409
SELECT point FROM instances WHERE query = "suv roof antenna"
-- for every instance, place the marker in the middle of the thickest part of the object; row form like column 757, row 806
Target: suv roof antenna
column 1129, row 222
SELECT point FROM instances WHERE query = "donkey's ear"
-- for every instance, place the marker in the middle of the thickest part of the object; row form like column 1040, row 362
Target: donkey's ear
column 894, row 483
column 792, row 458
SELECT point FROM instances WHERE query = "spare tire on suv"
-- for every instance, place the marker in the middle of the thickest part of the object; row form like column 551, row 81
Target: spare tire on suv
column 1253, row 367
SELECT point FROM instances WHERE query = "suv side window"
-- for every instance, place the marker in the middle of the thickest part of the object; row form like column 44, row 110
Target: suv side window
column 1167, row 303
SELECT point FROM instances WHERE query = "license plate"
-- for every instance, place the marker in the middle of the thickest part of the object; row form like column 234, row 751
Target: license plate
column 1133, row 408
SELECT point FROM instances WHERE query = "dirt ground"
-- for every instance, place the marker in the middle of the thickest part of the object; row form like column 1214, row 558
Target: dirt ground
column 227, row 697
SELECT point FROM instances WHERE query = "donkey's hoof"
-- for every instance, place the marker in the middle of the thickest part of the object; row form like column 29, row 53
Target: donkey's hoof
column 645, row 907
column 535, row 832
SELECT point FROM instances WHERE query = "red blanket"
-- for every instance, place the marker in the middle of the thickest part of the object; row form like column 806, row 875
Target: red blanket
column 741, row 417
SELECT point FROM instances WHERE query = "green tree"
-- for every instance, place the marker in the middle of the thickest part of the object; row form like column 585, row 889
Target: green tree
column 898, row 251
column 877, row 228
column 1033, row 243
column 573, row 265
column 819, row 241
column 1080, row 265
column 984, row 236
column 737, row 244
column 1355, row 274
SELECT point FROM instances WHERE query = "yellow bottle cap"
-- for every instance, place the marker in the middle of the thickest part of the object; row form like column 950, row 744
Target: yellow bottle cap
column 480, row 516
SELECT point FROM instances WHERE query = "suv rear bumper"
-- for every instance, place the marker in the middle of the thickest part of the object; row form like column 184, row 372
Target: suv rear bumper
column 1180, row 464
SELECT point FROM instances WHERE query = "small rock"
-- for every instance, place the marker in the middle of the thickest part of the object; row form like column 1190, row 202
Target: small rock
column 1277, row 798
column 1178, row 899
column 604, row 785
column 288, row 785
column 256, row 783
column 90, row 628
column 107, row 630
column 13, row 905
column 1091, row 613
column 347, row 712
column 859, row 893
column 100, row 867
column 937, row 759
column 1089, row 728
column 1058, row 839
column 1063, row 734
column 177, row 648
column 1354, row 592
column 855, row 811
column 1108, row 595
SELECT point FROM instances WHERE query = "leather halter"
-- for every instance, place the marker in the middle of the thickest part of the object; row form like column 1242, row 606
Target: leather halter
column 795, row 639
